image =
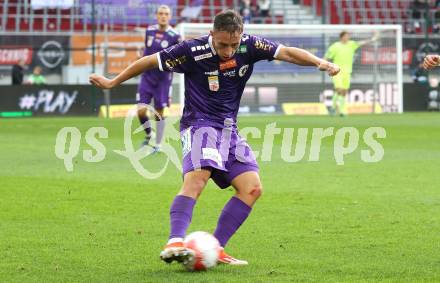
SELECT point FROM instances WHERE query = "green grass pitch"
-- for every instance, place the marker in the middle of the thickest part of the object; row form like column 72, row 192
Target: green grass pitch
column 316, row 221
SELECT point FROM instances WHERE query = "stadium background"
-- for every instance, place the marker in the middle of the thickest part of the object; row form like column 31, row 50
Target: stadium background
column 68, row 43
column 316, row 221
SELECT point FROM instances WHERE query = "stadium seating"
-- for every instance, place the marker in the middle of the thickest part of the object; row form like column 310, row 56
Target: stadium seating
column 364, row 11
column 373, row 12
column 18, row 16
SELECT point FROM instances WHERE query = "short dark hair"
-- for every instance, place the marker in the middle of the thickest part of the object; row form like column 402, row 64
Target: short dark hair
column 341, row 35
column 228, row 20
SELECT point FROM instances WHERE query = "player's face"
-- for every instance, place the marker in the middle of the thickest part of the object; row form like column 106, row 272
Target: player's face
column 163, row 16
column 225, row 43
column 345, row 38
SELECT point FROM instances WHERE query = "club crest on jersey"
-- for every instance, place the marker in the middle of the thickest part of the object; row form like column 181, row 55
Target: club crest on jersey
column 164, row 44
column 213, row 82
column 228, row 64
column 243, row 70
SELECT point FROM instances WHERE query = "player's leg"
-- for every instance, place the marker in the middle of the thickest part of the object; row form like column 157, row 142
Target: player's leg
column 160, row 127
column 342, row 102
column 337, row 83
column 248, row 189
column 242, row 174
column 143, row 98
column 181, row 214
column 161, row 101
column 345, row 85
column 335, row 101
column 194, row 178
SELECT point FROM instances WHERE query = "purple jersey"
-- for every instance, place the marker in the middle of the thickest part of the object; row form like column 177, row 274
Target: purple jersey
column 155, row 41
column 213, row 88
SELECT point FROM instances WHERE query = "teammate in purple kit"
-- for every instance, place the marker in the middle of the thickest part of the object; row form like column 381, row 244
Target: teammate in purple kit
column 154, row 83
column 216, row 69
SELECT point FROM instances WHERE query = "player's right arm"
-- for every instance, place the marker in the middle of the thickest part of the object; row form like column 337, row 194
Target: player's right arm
column 431, row 61
column 139, row 66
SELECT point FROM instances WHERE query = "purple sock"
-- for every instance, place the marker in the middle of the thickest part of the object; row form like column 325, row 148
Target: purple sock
column 233, row 215
column 146, row 123
column 180, row 215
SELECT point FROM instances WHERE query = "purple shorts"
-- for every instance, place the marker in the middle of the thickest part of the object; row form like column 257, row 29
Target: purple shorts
column 161, row 94
column 222, row 151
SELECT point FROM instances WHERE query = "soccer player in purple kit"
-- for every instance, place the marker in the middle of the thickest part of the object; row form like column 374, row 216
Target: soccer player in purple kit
column 155, row 84
column 216, row 68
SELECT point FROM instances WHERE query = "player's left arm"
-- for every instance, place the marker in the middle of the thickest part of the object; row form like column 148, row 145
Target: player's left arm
column 303, row 57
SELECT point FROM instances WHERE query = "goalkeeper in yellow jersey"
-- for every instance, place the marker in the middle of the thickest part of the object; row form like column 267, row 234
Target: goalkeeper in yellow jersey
column 342, row 53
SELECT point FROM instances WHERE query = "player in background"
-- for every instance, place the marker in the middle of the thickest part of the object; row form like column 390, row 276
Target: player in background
column 216, row 68
column 431, row 61
column 342, row 54
column 155, row 84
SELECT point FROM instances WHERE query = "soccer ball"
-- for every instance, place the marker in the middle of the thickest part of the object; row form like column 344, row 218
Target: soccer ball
column 206, row 249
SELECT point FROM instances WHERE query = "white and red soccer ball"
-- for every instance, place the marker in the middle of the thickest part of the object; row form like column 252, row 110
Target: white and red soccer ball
column 206, row 251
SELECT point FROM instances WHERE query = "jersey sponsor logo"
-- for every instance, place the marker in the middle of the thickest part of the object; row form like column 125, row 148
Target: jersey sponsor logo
column 228, row 64
column 164, row 44
column 200, row 47
column 212, row 73
column 229, row 74
column 159, row 35
column 172, row 63
column 259, row 44
column 213, row 82
column 242, row 49
column 203, row 56
column 243, row 70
